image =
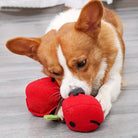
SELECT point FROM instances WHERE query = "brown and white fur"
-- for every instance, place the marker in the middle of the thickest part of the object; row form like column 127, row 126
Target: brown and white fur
column 91, row 37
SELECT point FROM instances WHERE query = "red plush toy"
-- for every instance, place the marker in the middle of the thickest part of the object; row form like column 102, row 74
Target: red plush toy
column 42, row 96
column 82, row 112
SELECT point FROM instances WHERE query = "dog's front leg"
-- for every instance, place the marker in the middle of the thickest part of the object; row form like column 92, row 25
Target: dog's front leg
column 109, row 92
column 60, row 114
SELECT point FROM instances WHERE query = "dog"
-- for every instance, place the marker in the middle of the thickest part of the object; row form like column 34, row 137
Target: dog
column 82, row 50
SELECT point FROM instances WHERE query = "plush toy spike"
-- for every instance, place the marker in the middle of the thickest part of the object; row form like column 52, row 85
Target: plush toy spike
column 51, row 117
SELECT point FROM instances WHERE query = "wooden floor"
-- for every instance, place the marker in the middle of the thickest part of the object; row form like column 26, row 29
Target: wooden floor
column 17, row 71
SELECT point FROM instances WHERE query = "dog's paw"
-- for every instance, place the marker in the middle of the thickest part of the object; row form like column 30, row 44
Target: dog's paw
column 105, row 102
column 60, row 114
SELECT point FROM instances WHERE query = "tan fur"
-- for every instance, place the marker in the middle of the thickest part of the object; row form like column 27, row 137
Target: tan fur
column 112, row 18
column 90, row 18
column 24, row 46
column 84, row 50
column 88, row 38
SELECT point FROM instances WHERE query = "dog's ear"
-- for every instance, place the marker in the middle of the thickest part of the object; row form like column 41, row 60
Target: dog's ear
column 24, row 46
column 89, row 20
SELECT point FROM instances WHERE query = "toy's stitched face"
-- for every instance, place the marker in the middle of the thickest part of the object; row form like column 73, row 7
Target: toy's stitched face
column 72, row 124
column 87, row 123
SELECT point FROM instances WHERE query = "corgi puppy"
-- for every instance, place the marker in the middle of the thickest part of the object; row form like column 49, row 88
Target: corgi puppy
column 82, row 50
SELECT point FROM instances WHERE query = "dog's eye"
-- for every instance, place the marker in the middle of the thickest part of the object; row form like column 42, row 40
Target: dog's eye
column 54, row 73
column 81, row 64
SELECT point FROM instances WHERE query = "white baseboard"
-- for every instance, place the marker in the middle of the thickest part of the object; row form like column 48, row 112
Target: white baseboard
column 44, row 3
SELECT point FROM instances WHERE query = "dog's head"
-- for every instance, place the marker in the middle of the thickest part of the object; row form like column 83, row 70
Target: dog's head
column 72, row 54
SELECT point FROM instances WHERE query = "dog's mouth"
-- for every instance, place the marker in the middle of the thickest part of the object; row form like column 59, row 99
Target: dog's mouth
column 76, row 91
column 94, row 93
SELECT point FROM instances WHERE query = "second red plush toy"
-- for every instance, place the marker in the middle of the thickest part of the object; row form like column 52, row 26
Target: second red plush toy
column 82, row 113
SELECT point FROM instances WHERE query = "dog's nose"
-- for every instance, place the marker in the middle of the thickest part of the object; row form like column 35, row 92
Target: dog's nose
column 76, row 91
